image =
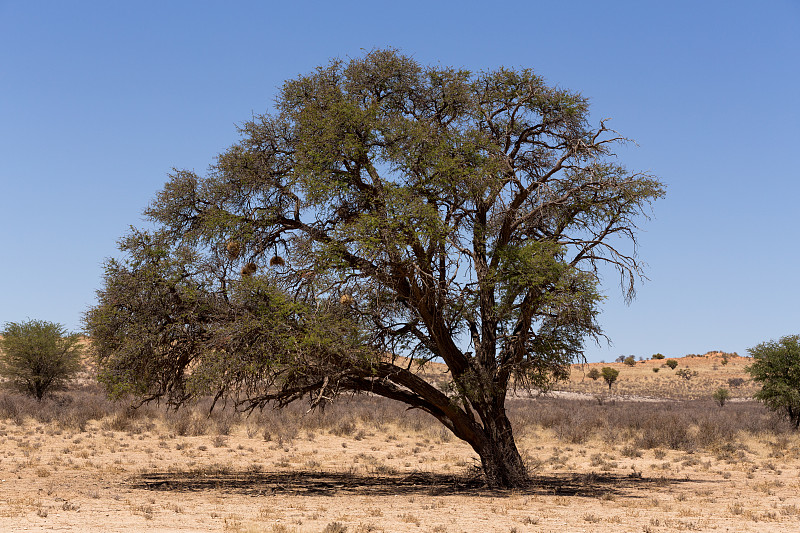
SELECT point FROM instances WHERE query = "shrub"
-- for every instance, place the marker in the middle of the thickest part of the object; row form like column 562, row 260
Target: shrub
column 630, row 360
column 610, row 375
column 686, row 374
column 735, row 382
column 776, row 365
column 593, row 374
column 721, row 396
column 672, row 363
column 658, row 356
column 656, row 369
column 38, row 356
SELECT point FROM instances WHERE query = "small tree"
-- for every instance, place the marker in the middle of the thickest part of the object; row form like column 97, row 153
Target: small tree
column 630, row 360
column 776, row 365
column 593, row 374
column 721, row 396
column 610, row 375
column 38, row 356
column 672, row 363
column 658, row 356
column 686, row 374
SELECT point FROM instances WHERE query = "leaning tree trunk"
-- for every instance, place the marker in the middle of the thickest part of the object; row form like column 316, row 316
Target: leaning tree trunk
column 502, row 463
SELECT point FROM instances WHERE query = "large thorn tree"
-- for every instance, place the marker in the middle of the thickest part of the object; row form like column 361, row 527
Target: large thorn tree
column 385, row 215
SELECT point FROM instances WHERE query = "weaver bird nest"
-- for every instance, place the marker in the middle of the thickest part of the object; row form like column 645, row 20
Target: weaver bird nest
column 249, row 269
column 346, row 299
column 234, row 249
column 277, row 261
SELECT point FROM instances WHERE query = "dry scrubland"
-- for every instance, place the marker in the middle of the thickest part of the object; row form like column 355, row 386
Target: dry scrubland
column 80, row 462
column 714, row 370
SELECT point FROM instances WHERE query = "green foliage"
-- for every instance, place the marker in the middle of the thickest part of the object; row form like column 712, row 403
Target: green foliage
column 593, row 374
column 384, row 209
column 721, row 396
column 38, row 357
column 656, row 369
column 672, row 363
column 610, row 375
column 630, row 360
column 776, row 366
column 658, row 356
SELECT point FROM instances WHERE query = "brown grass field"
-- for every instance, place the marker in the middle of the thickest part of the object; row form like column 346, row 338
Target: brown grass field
column 654, row 454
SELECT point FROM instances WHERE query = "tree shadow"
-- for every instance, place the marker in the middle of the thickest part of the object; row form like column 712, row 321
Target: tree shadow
column 591, row 485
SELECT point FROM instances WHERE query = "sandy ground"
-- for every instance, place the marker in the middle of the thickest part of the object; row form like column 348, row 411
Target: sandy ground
column 380, row 479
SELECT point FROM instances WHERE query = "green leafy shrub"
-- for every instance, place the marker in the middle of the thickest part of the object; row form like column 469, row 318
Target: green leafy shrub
column 658, row 356
column 672, row 363
column 721, row 396
column 630, row 360
column 610, row 375
column 593, row 374
column 39, row 357
column 776, row 365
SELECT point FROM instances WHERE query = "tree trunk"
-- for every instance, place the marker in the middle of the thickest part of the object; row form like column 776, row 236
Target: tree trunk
column 502, row 464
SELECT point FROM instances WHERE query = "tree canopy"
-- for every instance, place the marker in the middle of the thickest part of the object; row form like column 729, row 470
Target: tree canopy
column 776, row 365
column 38, row 357
column 386, row 214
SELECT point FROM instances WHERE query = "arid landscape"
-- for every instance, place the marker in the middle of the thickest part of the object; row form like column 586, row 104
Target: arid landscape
column 654, row 454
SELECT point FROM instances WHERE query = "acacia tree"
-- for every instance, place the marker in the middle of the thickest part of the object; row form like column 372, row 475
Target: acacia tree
column 39, row 357
column 776, row 365
column 385, row 215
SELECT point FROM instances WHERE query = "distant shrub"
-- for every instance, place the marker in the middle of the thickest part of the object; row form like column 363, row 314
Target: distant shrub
column 672, row 363
column 721, row 396
column 658, row 356
column 656, row 369
column 610, row 375
column 619, row 359
column 630, row 360
column 335, row 527
column 686, row 374
column 736, row 382
column 593, row 374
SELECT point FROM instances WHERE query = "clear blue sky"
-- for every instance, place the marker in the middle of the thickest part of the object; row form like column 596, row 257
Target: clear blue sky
column 99, row 100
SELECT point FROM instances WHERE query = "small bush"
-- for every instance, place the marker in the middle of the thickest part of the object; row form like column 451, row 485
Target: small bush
column 672, row 363
column 735, row 382
column 721, row 396
column 593, row 374
column 38, row 357
column 658, row 356
column 630, row 360
column 686, row 374
column 656, row 369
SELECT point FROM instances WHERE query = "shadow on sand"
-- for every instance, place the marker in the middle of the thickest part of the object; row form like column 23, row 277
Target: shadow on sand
column 342, row 483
